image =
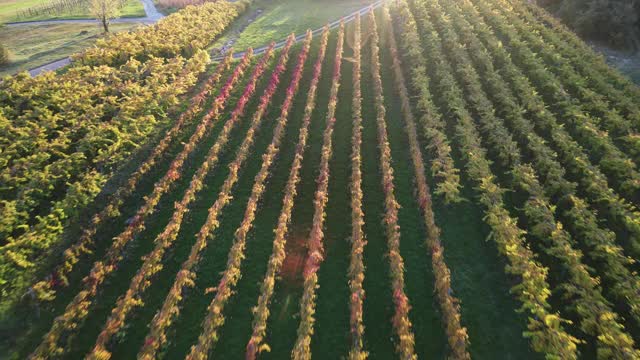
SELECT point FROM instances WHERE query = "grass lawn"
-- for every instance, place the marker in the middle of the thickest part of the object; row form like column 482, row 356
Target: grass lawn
column 10, row 11
column 32, row 46
column 9, row 8
column 282, row 17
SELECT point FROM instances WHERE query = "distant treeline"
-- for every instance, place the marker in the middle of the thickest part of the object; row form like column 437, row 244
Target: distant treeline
column 614, row 22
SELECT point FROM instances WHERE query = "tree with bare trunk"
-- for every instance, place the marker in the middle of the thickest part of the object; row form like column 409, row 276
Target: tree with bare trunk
column 104, row 11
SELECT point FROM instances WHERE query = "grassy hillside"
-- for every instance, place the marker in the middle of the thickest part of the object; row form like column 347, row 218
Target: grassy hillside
column 273, row 20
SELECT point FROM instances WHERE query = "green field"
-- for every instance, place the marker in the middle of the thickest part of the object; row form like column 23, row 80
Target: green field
column 10, row 10
column 32, row 46
column 279, row 18
column 529, row 132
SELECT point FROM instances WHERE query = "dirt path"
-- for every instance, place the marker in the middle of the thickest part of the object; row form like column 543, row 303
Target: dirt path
column 151, row 10
column 82, row 21
column 626, row 62
column 50, row 66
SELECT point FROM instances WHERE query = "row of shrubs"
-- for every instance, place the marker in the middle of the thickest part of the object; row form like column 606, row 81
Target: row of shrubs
column 62, row 136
